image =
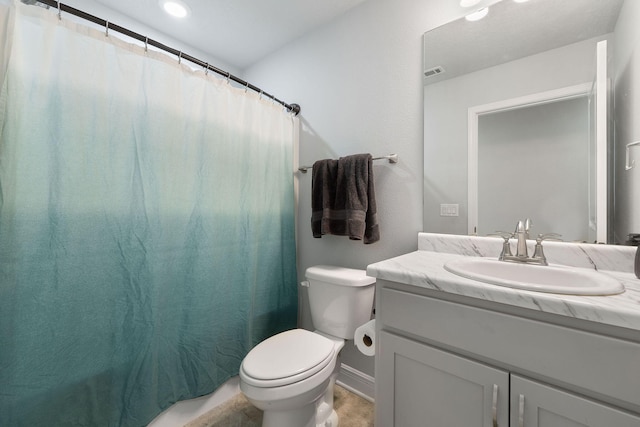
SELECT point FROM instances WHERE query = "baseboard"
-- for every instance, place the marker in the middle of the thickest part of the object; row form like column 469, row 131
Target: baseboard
column 356, row 382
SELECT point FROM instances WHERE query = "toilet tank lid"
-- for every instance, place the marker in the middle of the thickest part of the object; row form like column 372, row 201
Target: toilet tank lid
column 339, row 275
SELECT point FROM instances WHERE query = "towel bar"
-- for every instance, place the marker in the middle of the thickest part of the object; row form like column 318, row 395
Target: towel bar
column 393, row 158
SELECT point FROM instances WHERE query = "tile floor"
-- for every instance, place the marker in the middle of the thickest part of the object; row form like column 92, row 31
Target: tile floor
column 353, row 411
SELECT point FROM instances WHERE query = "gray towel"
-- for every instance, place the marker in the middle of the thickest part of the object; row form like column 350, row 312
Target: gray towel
column 343, row 199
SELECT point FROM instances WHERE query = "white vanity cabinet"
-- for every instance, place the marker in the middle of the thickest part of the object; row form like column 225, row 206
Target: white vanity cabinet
column 424, row 386
column 541, row 405
column 447, row 360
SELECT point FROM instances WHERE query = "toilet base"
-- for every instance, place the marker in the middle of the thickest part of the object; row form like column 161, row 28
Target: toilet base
column 303, row 417
column 331, row 421
column 300, row 410
column 326, row 416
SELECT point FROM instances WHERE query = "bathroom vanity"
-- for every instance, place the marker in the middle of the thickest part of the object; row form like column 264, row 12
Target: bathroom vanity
column 457, row 352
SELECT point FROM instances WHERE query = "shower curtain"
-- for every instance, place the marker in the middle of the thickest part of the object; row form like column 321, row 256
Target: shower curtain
column 146, row 226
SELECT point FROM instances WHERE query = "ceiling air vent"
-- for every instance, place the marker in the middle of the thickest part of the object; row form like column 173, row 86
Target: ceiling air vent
column 434, row 71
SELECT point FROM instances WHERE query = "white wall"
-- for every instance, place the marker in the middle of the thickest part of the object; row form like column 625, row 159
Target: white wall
column 627, row 127
column 359, row 82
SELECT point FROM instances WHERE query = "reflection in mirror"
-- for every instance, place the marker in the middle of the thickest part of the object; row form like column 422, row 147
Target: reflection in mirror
column 548, row 140
column 519, row 50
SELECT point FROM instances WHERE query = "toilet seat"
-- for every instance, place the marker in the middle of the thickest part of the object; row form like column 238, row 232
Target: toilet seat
column 286, row 358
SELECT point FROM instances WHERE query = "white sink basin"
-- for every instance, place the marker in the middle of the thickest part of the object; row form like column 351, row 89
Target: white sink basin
column 555, row 279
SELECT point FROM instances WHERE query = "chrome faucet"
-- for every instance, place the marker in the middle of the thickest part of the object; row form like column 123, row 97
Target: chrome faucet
column 522, row 234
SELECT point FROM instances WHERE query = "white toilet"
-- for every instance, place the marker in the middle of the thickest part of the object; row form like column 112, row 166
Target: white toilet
column 290, row 376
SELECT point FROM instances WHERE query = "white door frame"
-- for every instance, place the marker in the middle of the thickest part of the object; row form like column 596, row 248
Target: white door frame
column 475, row 112
column 602, row 145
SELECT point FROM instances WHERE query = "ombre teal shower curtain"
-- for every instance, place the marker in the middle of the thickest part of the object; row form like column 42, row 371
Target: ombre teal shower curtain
column 146, row 226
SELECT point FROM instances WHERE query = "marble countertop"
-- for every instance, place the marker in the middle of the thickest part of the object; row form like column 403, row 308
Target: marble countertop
column 424, row 268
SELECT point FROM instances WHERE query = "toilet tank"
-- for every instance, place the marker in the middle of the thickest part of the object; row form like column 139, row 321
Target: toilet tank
column 340, row 299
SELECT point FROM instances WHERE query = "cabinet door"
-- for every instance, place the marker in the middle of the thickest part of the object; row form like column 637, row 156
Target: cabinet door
column 538, row 405
column 421, row 386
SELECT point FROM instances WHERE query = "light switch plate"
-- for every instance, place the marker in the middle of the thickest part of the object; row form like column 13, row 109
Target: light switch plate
column 448, row 209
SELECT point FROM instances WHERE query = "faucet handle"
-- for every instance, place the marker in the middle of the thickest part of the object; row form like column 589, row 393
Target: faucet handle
column 506, row 235
column 506, row 248
column 548, row 236
column 538, row 253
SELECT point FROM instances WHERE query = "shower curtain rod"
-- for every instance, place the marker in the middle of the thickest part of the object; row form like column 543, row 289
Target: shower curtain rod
column 294, row 108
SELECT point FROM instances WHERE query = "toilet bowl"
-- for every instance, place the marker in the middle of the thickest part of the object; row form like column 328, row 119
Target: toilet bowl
column 290, row 376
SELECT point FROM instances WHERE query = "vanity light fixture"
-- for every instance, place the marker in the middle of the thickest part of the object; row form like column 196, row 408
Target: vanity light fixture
column 468, row 3
column 478, row 15
column 176, row 8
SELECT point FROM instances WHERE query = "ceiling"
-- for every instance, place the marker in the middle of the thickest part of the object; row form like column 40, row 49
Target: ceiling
column 515, row 30
column 238, row 32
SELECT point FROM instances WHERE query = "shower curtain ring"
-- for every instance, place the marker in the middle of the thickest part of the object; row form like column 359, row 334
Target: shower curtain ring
column 246, row 88
column 59, row 12
column 146, row 44
column 206, row 70
column 106, row 29
column 228, row 77
column 180, row 58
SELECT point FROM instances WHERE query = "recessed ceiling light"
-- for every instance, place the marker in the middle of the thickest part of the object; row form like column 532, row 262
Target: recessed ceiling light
column 469, row 3
column 476, row 16
column 176, row 8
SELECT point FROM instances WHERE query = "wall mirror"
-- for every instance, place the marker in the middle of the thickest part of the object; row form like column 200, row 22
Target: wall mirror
column 521, row 84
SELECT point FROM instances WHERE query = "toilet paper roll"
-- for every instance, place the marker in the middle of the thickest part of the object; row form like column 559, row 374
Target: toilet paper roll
column 365, row 338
